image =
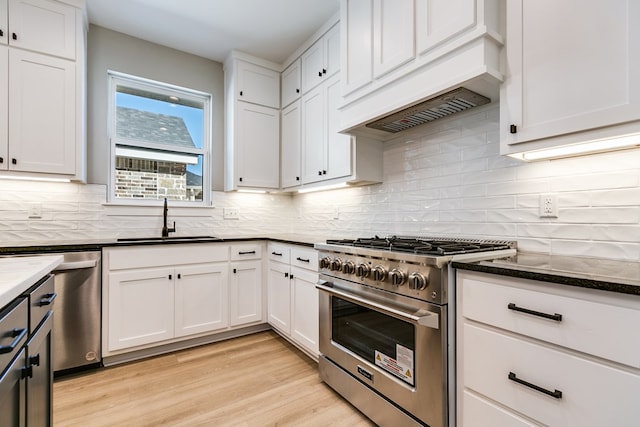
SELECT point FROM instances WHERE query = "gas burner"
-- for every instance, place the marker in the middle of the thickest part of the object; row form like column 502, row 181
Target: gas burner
column 422, row 246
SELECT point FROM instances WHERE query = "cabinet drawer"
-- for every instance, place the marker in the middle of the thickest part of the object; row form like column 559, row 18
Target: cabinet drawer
column 160, row 256
column 248, row 251
column 598, row 328
column 41, row 299
column 14, row 328
column 304, row 258
column 592, row 394
column 279, row 252
column 478, row 412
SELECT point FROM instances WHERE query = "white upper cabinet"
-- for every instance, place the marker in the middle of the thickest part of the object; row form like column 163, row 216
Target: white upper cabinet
column 252, row 123
column 571, row 75
column 4, row 107
column 290, row 146
column 393, row 34
column 4, row 22
column 291, row 83
column 45, row 26
column 321, row 60
column 258, row 85
column 397, row 53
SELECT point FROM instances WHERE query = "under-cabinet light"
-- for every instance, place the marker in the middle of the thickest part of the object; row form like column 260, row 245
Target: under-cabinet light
column 323, row 188
column 244, row 190
column 34, row 178
column 588, row 147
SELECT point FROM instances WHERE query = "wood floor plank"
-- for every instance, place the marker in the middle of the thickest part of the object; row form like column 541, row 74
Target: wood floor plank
column 257, row 380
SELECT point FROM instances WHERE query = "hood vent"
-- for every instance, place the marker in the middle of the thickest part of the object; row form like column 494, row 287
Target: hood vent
column 452, row 102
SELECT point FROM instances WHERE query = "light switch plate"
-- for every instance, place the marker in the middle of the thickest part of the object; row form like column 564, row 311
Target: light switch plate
column 230, row 213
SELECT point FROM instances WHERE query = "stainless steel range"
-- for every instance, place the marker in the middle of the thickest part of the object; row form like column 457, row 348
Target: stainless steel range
column 386, row 325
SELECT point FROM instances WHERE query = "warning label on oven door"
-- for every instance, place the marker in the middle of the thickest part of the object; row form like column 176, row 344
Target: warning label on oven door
column 401, row 366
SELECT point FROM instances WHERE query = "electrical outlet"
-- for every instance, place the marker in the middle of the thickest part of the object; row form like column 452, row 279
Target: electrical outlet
column 35, row 210
column 548, row 206
column 230, row 213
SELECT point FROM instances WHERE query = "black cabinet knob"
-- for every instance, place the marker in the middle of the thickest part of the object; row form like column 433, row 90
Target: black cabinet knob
column 513, row 129
column 297, row 177
column 240, row 179
column 324, row 71
column 1, row 160
column 14, row 36
column 241, row 93
column 1, row 33
column 14, row 161
column 319, row 172
column 324, row 172
column 297, row 90
column 319, row 73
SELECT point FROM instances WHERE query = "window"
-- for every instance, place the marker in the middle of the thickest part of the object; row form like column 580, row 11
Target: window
column 160, row 142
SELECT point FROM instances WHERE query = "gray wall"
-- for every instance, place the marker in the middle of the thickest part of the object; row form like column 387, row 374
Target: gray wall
column 109, row 50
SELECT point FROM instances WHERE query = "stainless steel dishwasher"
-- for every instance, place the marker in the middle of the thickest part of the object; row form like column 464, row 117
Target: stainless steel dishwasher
column 77, row 316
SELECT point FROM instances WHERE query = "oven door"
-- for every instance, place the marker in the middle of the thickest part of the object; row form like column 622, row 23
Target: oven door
column 395, row 345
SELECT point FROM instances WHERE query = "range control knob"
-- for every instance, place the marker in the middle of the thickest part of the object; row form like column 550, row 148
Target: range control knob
column 348, row 267
column 379, row 273
column 325, row 262
column 397, row 277
column 362, row 270
column 417, row 281
column 336, row 265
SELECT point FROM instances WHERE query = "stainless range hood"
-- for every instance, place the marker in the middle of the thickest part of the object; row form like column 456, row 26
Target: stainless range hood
column 455, row 101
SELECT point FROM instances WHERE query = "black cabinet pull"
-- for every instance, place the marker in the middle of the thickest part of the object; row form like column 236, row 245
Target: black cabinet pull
column 1, row 160
column 324, row 172
column 246, row 253
column 241, row 94
column 1, row 33
column 297, row 177
column 179, row 276
column 319, row 172
column 276, row 253
column 26, row 372
column 324, row 71
column 14, row 36
column 240, row 179
column 170, row 277
column 513, row 129
column 556, row 393
column 34, row 360
column 319, row 73
column 557, row 317
column 17, row 335
column 297, row 90
column 235, row 271
column 302, row 259
column 286, row 274
column 291, row 277
column 47, row 299
column 14, row 161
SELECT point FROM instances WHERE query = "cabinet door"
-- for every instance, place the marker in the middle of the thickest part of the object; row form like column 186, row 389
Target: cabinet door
column 338, row 146
column 141, row 307
column 439, row 21
column 279, row 297
column 313, row 136
column 356, row 28
column 312, row 64
column 291, row 146
column 291, row 83
column 564, row 78
column 304, row 298
column 4, row 22
column 258, row 146
column 4, row 107
column 40, row 382
column 245, row 292
column 258, row 85
column 393, row 34
column 332, row 51
column 13, row 394
column 42, row 114
column 44, row 26
column 201, row 299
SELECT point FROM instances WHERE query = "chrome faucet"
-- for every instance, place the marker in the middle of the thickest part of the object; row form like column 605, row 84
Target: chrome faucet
column 166, row 230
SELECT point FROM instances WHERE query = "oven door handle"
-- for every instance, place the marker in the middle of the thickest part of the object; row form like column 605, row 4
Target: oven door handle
column 430, row 320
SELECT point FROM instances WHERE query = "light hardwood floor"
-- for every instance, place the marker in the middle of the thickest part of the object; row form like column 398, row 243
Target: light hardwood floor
column 257, row 380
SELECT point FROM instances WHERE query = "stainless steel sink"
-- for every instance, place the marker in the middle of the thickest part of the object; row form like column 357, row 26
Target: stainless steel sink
column 167, row 239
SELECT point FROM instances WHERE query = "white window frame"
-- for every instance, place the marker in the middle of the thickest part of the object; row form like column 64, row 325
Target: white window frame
column 116, row 78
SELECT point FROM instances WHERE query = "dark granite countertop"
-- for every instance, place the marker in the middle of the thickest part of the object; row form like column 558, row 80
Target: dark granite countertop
column 593, row 273
column 96, row 245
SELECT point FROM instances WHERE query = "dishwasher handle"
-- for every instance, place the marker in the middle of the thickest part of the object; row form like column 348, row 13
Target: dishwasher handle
column 78, row 265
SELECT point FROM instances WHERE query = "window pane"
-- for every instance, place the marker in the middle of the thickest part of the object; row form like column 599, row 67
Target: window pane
column 153, row 175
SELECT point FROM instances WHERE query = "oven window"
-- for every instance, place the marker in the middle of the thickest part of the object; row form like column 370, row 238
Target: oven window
column 378, row 338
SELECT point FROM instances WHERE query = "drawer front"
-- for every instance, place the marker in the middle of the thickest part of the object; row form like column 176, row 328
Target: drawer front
column 279, row 252
column 247, row 251
column 41, row 298
column 14, row 329
column 161, row 256
column 602, row 329
column 592, row 394
column 478, row 412
column 304, row 258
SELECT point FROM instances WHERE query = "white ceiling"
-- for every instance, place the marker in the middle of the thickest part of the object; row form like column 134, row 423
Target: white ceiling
column 269, row 29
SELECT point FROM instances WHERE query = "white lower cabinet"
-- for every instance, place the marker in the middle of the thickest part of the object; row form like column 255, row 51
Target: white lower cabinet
column 156, row 295
column 526, row 354
column 292, row 295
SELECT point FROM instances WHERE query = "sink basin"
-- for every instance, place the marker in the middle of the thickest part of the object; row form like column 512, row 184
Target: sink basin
column 168, row 239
